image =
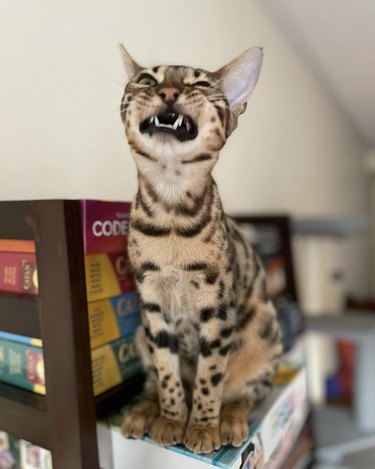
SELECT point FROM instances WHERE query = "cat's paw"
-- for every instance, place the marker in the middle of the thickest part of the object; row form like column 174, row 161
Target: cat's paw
column 165, row 431
column 202, row 438
column 233, row 431
column 138, row 420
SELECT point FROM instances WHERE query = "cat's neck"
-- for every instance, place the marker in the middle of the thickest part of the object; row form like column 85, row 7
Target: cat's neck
column 174, row 182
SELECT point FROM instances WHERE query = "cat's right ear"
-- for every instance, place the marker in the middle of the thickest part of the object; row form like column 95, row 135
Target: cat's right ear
column 131, row 66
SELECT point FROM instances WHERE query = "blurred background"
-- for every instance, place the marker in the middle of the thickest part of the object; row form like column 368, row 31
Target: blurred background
column 304, row 148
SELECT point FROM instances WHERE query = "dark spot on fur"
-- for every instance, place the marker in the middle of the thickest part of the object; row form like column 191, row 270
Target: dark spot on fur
column 207, row 314
column 226, row 332
column 151, row 307
column 216, row 378
column 195, row 266
column 220, row 292
column 205, row 391
column 222, row 313
column 211, row 277
column 207, row 346
column 225, row 350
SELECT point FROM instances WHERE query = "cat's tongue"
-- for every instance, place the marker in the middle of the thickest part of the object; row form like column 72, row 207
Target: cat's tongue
column 180, row 125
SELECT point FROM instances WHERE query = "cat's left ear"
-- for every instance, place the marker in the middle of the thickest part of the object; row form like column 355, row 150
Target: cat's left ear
column 239, row 78
column 131, row 66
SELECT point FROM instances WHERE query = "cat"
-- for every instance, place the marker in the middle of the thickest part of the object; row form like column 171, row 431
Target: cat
column 210, row 342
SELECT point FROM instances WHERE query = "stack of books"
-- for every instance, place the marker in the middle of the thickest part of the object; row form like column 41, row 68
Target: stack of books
column 113, row 305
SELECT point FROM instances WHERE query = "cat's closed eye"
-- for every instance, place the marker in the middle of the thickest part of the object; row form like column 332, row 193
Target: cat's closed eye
column 146, row 80
column 202, row 83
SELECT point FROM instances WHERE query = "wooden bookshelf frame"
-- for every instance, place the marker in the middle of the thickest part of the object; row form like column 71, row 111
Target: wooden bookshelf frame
column 63, row 421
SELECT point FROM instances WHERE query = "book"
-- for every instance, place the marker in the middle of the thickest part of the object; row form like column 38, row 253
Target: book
column 113, row 318
column 22, row 364
column 9, row 453
column 17, row 245
column 274, row 427
column 107, row 275
column 20, row 454
column 105, row 226
column 34, row 457
column 18, row 272
column 21, row 339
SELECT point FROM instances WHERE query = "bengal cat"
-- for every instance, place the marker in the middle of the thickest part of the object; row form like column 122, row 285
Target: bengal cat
column 210, row 341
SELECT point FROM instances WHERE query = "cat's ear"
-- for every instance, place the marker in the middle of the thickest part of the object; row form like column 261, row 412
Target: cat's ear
column 239, row 77
column 131, row 66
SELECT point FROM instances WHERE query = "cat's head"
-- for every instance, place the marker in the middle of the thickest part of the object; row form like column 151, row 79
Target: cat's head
column 183, row 112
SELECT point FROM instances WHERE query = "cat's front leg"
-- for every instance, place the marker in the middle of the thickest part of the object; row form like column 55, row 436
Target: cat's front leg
column 168, row 428
column 216, row 327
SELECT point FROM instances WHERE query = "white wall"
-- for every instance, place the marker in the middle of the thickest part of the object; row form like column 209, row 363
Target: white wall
column 61, row 81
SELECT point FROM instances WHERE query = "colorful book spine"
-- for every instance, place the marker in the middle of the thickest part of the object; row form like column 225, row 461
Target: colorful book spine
column 23, row 365
column 113, row 363
column 20, row 454
column 113, row 318
column 105, row 230
column 21, row 339
column 17, row 245
column 34, row 457
column 18, row 272
column 105, row 226
column 107, row 275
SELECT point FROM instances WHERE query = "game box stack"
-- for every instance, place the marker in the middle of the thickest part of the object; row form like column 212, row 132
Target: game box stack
column 275, row 426
column 112, row 301
column 20, row 454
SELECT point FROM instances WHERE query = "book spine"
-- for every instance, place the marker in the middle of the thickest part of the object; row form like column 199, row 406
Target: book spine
column 107, row 275
column 34, row 457
column 21, row 339
column 18, row 273
column 105, row 225
column 20, row 454
column 113, row 318
column 22, row 365
column 113, row 363
column 17, row 245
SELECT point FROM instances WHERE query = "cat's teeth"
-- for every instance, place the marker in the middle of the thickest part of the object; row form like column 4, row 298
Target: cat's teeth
column 152, row 118
column 157, row 121
column 177, row 122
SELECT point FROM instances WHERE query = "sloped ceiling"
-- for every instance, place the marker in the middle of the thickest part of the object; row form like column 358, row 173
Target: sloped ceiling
column 337, row 40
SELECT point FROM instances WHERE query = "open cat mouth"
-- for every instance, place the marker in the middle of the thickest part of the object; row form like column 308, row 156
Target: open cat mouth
column 180, row 125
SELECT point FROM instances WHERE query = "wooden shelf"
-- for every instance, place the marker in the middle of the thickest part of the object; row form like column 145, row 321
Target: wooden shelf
column 20, row 316
column 24, row 421
column 22, row 396
column 64, row 421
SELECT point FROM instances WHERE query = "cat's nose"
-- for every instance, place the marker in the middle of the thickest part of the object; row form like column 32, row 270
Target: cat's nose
column 169, row 94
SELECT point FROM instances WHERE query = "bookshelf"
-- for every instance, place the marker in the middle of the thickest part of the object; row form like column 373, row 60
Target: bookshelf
column 63, row 421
